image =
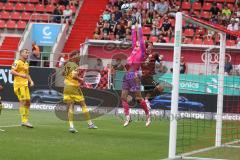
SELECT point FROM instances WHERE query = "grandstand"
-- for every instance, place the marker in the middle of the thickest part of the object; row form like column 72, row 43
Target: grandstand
column 101, row 30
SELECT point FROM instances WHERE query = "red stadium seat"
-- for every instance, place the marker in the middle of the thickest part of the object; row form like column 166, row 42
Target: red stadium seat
column 146, row 30
column 185, row 11
column 186, row 5
column 207, row 6
column 230, row 6
column 49, row 8
column 29, row 7
column 62, row 8
column 166, row 39
column 153, row 39
column 205, row 15
column 4, row 15
column 200, row 31
column 197, row 41
column 219, row 5
column 188, row 32
column 196, row 6
column 20, row 7
column 15, row 16
column 11, row 24
column 172, row 40
column 2, row 24
column 13, row 1
column 187, row 41
column 9, row 7
column 34, row 1
column 40, row 8
column 23, row 1
column 1, row 6
column 208, row 42
column 26, row 16
column 230, row 43
column 172, row 21
column 21, row 25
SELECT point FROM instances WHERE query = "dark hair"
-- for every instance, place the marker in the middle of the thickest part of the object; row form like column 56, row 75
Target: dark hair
column 22, row 50
column 74, row 53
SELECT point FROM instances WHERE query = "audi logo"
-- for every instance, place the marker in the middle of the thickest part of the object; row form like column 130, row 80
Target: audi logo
column 213, row 57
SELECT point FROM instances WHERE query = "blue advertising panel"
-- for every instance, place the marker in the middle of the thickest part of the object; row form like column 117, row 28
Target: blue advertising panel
column 45, row 34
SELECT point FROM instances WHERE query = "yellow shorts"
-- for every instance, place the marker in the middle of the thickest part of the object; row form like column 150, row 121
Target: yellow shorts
column 22, row 93
column 72, row 94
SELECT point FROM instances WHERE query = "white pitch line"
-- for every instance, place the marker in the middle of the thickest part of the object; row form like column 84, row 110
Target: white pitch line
column 10, row 126
column 1, row 130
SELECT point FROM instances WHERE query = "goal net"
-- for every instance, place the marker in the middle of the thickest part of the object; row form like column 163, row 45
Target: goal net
column 205, row 108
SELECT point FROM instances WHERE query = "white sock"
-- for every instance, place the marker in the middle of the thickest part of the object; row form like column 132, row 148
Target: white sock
column 71, row 124
column 90, row 122
column 148, row 104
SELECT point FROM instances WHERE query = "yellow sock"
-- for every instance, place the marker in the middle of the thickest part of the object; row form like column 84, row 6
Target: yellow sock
column 86, row 114
column 70, row 117
column 22, row 113
column 26, row 113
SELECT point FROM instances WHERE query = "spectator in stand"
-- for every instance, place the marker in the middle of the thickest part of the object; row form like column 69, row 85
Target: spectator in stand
column 67, row 13
column 161, row 7
column 63, row 2
column 160, row 66
column 100, row 22
column 161, row 39
column 118, row 14
column 226, row 14
column 120, row 32
column 57, row 14
column 155, row 31
column 96, row 34
column 166, row 27
column 215, row 13
column 112, row 22
column 173, row 9
column 233, row 26
column 61, row 61
column 149, row 19
column 106, row 15
column 99, row 65
column 106, row 28
column 35, row 57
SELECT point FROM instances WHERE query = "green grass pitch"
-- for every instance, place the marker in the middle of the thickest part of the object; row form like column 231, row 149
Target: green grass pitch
column 51, row 140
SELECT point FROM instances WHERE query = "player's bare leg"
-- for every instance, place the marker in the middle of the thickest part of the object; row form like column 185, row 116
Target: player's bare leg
column 125, row 105
column 87, row 115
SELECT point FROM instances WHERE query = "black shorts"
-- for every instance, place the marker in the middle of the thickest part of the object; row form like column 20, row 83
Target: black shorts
column 148, row 83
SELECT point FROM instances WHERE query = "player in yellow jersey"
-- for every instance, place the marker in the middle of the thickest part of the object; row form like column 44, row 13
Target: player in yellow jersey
column 72, row 93
column 20, row 70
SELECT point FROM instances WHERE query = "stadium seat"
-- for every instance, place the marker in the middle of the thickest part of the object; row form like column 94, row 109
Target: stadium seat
column 146, row 30
column 21, row 25
column 9, row 7
column 230, row 6
column 185, row 11
column 186, row 5
column 207, row 6
column 34, row 1
column 40, row 8
column 2, row 24
column 26, row 16
column 145, row 38
column 200, row 31
column 230, row 43
column 205, row 15
column 1, row 6
column 13, row 1
column 11, row 24
column 20, row 7
column 29, row 7
column 166, row 39
column 62, row 8
column 196, row 13
column 4, row 15
column 196, row 6
column 197, row 41
column 219, row 5
column 172, row 21
column 15, row 16
column 172, row 40
column 208, row 42
column 187, row 41
column 188, row 32
column 49, row 8
column 23, row 1
column 153, row 39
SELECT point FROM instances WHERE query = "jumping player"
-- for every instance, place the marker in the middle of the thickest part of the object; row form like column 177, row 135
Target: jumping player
column 20, row 70
column 151, row 87
column 72, row 93
column 132, row 79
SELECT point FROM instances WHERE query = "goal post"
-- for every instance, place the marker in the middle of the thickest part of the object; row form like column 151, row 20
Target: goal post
column 217, row 117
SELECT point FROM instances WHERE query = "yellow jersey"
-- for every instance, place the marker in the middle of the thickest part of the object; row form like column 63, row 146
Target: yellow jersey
column 69, row 69
column 22, row 68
